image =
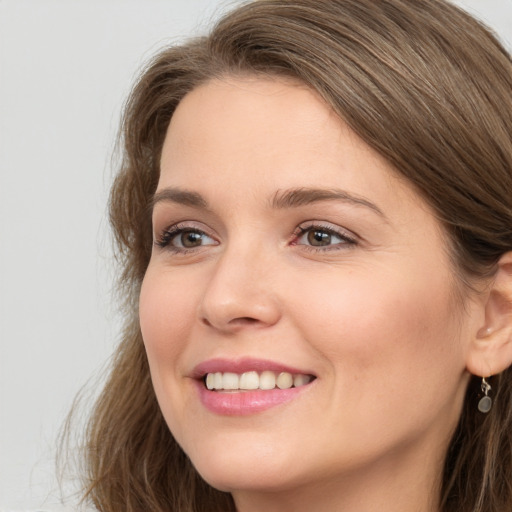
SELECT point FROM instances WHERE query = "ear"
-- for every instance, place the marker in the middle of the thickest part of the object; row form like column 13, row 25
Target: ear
column 491, row 349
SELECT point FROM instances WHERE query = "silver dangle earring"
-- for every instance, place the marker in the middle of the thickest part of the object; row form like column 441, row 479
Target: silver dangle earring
column 485, row 403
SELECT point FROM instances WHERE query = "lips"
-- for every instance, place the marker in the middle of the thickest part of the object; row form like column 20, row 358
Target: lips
column 248, row 386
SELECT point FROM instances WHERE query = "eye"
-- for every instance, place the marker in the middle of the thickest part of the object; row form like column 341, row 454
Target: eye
column 322, row 237
column 319, row 237
column 190, row 239
column 182, row 239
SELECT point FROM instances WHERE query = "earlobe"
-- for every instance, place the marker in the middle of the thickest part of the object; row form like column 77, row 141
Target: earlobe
column 491, row 349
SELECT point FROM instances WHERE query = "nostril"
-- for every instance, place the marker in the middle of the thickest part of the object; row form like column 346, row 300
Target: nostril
column 234, row 323
column 244, row 320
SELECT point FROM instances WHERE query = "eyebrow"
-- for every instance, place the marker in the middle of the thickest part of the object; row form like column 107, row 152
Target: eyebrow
column 180, row 196
column 282, row 199
column 296, row 197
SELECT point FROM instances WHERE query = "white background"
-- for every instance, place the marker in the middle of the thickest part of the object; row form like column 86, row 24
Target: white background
column 65, row 68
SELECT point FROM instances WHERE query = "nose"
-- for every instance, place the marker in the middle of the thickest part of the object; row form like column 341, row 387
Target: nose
column 240, row 293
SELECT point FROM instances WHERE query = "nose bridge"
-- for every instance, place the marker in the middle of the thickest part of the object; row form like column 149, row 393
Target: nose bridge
column 241, row 290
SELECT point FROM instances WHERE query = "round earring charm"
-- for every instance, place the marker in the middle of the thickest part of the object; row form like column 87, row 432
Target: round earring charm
column 485, row 403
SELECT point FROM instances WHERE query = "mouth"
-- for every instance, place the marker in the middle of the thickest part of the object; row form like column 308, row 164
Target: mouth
column 253, row 381
column 248, row 386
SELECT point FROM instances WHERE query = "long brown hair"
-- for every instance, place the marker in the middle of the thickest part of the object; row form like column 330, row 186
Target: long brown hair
column 421, row 82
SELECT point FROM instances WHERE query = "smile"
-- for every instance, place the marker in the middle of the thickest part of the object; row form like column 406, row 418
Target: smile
column 252, row 380
column 247, row 386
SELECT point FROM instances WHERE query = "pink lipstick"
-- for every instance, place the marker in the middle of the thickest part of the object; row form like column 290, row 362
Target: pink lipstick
column 248, row 386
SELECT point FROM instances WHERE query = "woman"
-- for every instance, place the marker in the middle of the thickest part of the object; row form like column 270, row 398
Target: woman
column 314, row 217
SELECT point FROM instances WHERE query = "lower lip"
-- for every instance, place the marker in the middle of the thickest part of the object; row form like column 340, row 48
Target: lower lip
column 243, row 403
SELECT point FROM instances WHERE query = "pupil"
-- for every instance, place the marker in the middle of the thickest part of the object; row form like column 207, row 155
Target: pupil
column 191, row 239
column 316, row 237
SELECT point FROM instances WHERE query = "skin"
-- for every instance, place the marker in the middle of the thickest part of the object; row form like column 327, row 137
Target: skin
column 375, row 319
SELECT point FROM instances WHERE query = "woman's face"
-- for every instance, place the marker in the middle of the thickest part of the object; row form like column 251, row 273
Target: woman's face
column 287, row 249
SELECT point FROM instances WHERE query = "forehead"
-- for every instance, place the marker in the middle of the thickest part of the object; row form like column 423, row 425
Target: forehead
column 273, row 131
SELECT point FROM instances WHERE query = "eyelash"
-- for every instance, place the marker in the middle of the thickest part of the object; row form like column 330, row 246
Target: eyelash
column 169, row 234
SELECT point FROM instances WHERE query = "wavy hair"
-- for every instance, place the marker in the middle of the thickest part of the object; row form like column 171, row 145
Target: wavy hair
column 421, row 82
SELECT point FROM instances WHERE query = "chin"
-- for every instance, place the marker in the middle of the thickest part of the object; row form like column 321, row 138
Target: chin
column 257, row 469
column 248, row 478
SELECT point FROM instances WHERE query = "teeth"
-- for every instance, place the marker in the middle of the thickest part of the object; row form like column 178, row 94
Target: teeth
column 300, row 380
column 230, row 381
column 252, row 380
column 267, row 380
column 249, row 380
column 210, row 381
column 284, row 381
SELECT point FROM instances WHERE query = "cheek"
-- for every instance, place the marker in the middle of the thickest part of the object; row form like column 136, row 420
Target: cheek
column 394, row 361
column 166, row 318
column 166, row 314
column 385, row 334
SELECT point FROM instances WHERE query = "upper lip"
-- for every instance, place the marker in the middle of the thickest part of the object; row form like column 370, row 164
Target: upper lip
column 243, row 365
